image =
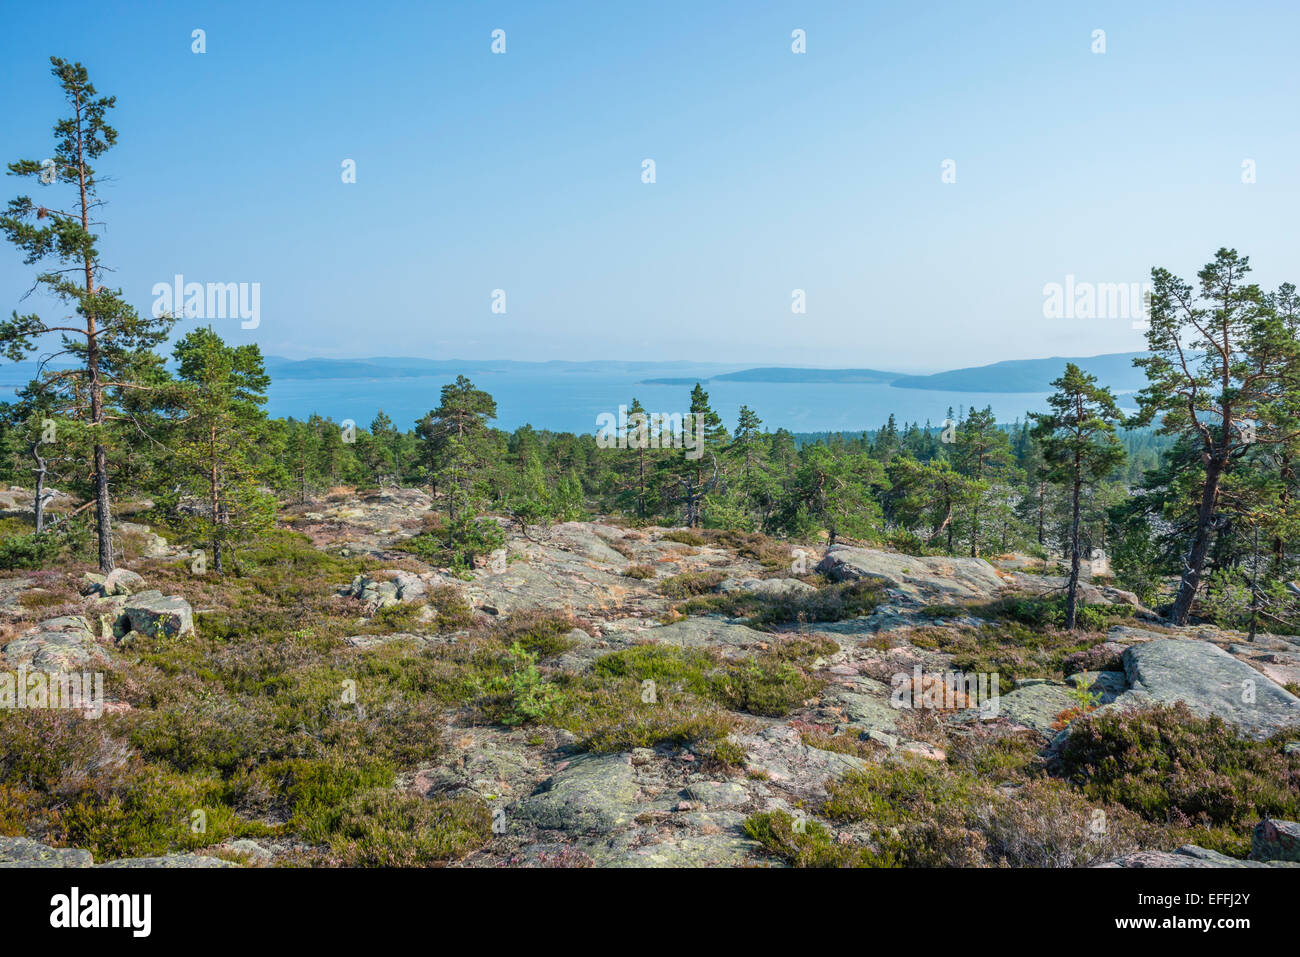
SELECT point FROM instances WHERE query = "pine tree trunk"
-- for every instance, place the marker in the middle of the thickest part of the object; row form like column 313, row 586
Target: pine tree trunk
column 1072, row 592
column 1191, row 581
column 38, row 506
column 1279, row 546
column 215, row 503
column 1042, row 501
column 103, row 518
column 640, row 493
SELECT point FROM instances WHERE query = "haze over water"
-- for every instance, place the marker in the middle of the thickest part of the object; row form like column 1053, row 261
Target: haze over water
column 570, row 402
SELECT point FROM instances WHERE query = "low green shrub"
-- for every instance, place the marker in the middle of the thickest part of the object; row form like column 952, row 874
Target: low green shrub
column 1197, row 775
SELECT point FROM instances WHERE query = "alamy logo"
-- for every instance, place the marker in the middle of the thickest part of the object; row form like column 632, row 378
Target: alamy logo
column 213, row 300
column 40, row 691
column 651, row 430
column 946, row 691
column 133, row 911
column 1098, row 300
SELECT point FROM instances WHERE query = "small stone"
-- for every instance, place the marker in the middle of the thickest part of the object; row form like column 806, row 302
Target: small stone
column 888, row 740
column 121, row 581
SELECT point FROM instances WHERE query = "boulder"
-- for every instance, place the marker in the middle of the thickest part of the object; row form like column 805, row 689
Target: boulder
column 922, row 579
column 157, row 615
column 21, row 852
column 1210, row 681
column 91, row 584
column 379, row 593
column 122, row 581
column 590, row 793
column 1104, row 686
column 1275, row 841
column 118, row 582
column 409, row 587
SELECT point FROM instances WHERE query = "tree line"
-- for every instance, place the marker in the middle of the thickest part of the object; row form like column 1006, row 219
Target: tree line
column 1199, row 485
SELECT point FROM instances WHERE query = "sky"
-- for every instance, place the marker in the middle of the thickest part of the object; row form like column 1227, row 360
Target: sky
column 775, row 171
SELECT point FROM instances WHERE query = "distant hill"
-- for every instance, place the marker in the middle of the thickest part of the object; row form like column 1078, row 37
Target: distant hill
column 789, row 374
column 1013, row 375
column 1115, row 370
column 784, row 374
column 387, row 367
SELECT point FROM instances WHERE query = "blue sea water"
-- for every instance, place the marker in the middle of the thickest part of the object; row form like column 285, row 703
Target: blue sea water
column 570, row 402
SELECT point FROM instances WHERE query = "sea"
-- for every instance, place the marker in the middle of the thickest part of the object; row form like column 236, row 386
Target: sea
column 572, row 401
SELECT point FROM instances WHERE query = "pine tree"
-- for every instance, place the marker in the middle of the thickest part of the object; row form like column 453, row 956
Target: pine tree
column 108, row 335
column 638, row 435
column 1079, row 447
column 983, row 456
column 706, row 428
column 216, row 439
column 456, row 447
column 1223, row 363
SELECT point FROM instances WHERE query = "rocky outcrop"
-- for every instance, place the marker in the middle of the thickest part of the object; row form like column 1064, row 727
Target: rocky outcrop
column 921, row 579
column 1089, row 594
column 55, row 646
column 1037, row 704
column 1210, row 681
column 170, row 861
column 1189, row 855
column 729, row 637
column 768, row 587
column 21, row 852
column 19, row 502
column 643, row 808
column 779, row 755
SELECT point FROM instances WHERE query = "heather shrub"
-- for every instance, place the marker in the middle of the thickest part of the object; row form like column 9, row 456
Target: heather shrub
column 1195, row 774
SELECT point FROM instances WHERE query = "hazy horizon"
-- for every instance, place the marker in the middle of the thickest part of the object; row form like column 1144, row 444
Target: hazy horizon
column 775, row 171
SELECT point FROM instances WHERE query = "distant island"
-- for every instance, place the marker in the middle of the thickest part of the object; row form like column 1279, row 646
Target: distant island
column 1013, row 375
column 791, row 374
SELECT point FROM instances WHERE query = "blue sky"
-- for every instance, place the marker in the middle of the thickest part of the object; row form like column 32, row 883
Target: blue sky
column 775, row 171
